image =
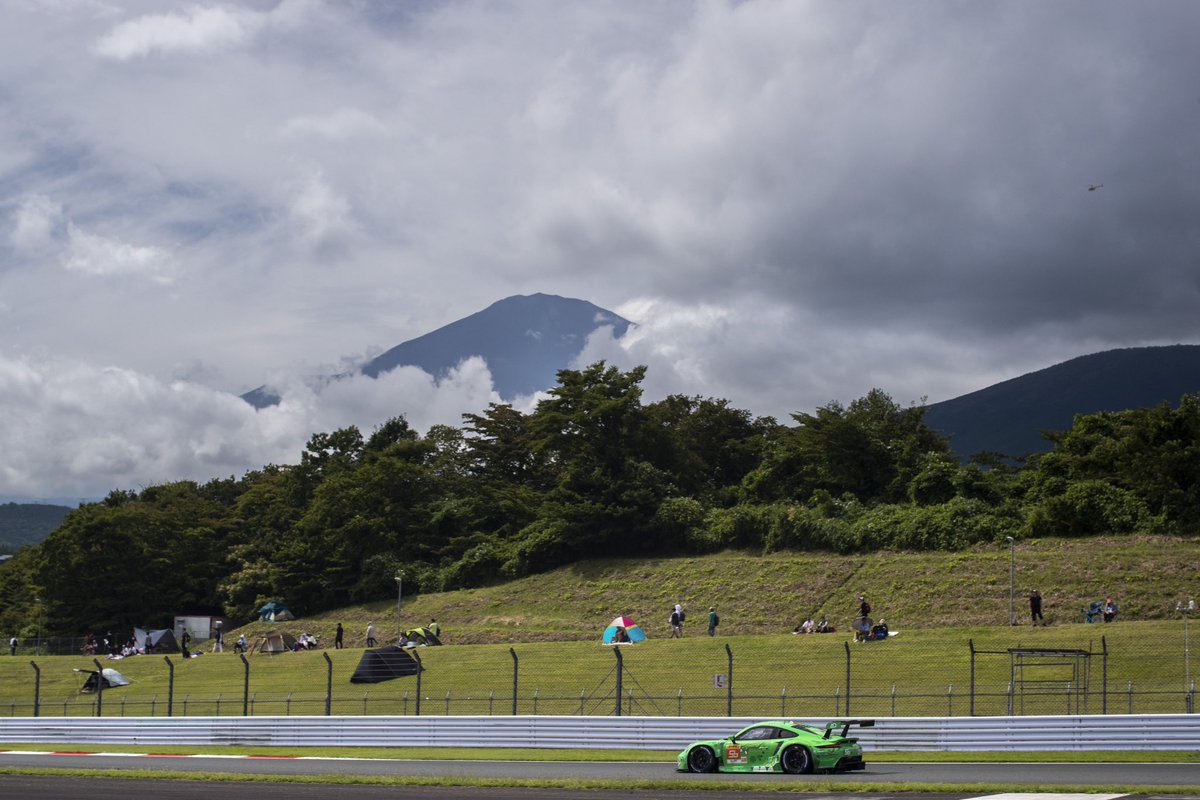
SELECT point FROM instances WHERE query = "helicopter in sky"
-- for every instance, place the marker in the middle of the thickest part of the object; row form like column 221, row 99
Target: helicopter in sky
column 1095, row 186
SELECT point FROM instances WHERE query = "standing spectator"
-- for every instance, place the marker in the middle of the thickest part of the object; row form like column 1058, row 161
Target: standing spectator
column 676, row 624
column 864, row 608
column 218, row 638
column 1035, row 608
column 184, row 640
column 371, row 634
column 12, row 646
column 434, row 628
column 337, row 637
column 713, row 620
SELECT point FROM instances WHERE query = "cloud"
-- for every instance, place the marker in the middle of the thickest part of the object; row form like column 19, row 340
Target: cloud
column 797, row 201
column 100, row 256
column 86, row 430
column 340, row 125
column 195, row 30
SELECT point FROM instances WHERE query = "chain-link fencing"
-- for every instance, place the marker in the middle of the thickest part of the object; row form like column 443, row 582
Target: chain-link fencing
column 802, row 676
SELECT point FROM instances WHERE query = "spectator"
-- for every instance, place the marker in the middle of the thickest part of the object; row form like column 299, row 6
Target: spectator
column 713, row 620
column 1110, row 609
column 1035, row 608
column 218, row 638
column 434, row 628
column 371, row 634
column 240, row 647
column 676, row 624
column 12, row 646
column 337, row 637
column 823, row 626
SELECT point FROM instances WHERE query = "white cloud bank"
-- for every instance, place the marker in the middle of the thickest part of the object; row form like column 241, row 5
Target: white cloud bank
column 83, row 431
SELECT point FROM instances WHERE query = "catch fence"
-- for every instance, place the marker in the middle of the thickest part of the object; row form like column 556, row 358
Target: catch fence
column 803, row 676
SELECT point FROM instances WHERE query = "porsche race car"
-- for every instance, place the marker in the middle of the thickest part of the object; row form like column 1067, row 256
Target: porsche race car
column 779, row 746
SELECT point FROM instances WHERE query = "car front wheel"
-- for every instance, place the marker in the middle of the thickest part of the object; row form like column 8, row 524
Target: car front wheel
column 796, row 760
column 702, row 759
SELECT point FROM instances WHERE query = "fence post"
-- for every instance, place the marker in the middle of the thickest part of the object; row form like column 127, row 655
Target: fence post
column 971, row 644
column 1129, row 689
column 620, row 675
column 99, row 688
column 783, row 702
column 847, row 646
column 514, row 658
column 170, row 685
column 950, row 701
column 37, row 688
column 679, row 703
column 447, row 702
column 328, row 682
column 420, row 669
column 729, row 682
column 245, row 685
column 1104, row 675
column 894, row 699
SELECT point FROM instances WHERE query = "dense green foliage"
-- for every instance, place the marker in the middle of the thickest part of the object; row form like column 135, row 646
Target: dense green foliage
column 592, row 471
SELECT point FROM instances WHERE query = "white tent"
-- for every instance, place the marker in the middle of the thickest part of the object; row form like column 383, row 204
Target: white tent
column 112, row 678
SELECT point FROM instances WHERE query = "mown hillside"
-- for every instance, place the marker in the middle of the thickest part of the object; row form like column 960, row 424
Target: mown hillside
column 769, row 594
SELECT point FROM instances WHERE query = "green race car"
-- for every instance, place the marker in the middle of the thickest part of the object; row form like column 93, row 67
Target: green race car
column 779, row 746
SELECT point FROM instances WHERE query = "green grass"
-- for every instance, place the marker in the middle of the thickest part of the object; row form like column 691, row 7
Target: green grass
column 937, row 601
column 918, row 672
column 772, row 594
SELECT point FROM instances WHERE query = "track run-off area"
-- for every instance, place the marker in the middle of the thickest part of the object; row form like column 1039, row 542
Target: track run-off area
column 291, row 774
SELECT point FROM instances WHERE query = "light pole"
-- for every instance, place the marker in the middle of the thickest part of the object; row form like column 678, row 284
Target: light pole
column 1012, row 572
column 399, row 596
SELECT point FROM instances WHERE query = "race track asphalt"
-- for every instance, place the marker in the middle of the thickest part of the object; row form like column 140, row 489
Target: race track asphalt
column 1031, row 774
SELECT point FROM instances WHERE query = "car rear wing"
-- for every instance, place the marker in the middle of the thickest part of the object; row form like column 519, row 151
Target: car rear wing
column 845, row 724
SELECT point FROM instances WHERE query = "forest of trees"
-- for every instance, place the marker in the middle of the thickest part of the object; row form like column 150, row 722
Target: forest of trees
column 591, row 472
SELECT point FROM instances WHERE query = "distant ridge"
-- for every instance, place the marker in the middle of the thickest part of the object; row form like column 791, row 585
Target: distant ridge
column 525, row 340
column 1009, row 417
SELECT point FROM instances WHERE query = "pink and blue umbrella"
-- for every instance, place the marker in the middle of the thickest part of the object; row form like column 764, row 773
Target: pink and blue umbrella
column 631, row 628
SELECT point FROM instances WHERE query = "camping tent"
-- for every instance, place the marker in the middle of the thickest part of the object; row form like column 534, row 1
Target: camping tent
column 632, row 630
column 384, row 664
column 275, row 611
column 111, row 679
column 274, row 642
column 422, row 636
column 160, row 641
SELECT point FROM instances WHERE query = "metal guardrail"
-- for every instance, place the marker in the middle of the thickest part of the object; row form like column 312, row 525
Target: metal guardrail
column 893, row 734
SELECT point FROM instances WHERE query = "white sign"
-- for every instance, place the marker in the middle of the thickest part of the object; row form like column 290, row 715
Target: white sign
column 718, row 681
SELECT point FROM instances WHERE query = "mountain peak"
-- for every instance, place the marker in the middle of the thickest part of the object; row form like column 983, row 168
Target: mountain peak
column 525, row 340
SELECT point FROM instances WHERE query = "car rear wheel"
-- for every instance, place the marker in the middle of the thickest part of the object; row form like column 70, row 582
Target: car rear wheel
column 796, row 760
column 702, row 759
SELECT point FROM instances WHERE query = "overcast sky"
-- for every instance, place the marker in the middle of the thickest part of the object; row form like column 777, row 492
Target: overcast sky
column 795, row 201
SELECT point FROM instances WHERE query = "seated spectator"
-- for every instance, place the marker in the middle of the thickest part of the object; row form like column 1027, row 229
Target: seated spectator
column 1110, row 609
column 879, row 630
column 824, row 627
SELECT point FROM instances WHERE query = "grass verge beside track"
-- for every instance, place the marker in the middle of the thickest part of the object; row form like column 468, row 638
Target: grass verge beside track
column 645, row 756
column 624, row 786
